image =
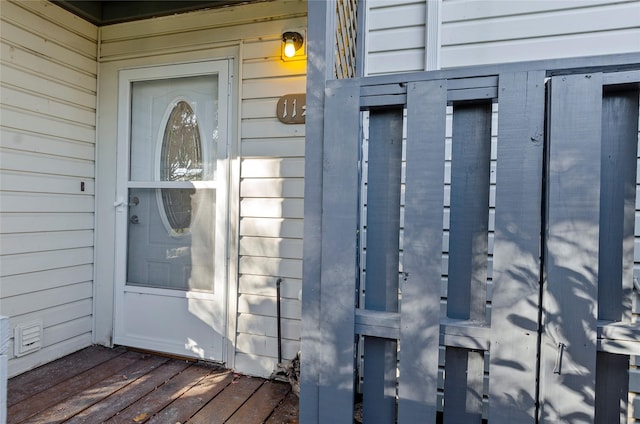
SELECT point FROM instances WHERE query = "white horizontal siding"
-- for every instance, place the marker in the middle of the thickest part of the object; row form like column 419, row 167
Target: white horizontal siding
column 265, row 266
column 275, row 88
column 272, row 167
column 266, row 286
column 542, row 24
column 271, row 207
column 37, row 281
column 38, row 183
column 273, row 187
column 257, row 326
column 11, row 223
column 41, row 261
column 482, row 32
column 475, row 32
column 46, row 145
column 24, row 243
column 395, row 36
column 47, row 136
column 271, row 227
column 270, row 247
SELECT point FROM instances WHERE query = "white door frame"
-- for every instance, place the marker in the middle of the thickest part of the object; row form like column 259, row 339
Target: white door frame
column 224, row 68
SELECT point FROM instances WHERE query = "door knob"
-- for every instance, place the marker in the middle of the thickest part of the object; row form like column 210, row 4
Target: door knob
column 134, row 219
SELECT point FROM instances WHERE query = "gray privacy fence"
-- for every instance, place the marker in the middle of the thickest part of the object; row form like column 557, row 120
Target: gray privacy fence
column 478, row 250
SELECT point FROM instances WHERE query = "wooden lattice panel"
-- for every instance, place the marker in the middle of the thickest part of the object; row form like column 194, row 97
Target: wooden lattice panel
column 346, row 26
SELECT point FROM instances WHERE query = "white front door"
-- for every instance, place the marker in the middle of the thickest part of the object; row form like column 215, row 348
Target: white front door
column 171, row 219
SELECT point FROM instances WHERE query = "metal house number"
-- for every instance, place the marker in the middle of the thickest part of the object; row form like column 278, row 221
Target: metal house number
column 292, row 108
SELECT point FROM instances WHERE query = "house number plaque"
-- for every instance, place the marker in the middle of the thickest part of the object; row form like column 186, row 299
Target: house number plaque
column 292, row 108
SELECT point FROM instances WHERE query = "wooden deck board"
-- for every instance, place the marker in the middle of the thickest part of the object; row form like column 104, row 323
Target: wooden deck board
column 26, row 385
column 194, row 399
column 83, row 400
column 121, row 399
column 226, row 403
column 158, row 399
column 58, row 393
column 259, row 407
column 99, row 384
column 286, row 412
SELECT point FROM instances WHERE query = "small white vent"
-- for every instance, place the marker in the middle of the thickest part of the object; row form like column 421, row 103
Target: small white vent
column 27, row 338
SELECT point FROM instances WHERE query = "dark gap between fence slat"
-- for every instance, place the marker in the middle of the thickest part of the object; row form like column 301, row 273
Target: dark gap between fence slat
column 463, row 385
column 612, row 388
column 616, row 247
column 382, row 259
column 383, row 210
column 617, row 204
column 468, row 250
column 469, row 211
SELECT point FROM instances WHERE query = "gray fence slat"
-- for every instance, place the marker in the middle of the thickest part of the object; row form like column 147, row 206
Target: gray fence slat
column 383, row 100
column 621, row 77
column 464, row 333
column 481, row 93
column 377, row 90
column 469, row 211
column 401, row 87
column 378, row 324
column 568, row 348
column 382, row 259
column 339, row 248
column 516, row 256
column 420, row 311
column 462, row 95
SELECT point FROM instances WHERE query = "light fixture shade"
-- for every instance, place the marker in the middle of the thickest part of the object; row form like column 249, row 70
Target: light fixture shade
column 292, row 41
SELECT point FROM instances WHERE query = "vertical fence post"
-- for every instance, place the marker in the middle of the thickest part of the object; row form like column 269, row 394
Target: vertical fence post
column 319, row 70
column 339, row 251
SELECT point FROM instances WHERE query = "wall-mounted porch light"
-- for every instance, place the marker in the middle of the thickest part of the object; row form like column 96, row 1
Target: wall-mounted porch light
column 291, row 43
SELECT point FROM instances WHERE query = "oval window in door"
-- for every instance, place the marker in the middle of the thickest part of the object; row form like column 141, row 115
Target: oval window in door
column 180, row 160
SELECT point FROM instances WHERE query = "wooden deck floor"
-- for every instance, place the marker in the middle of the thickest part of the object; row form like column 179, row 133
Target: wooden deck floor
column 98, row 385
